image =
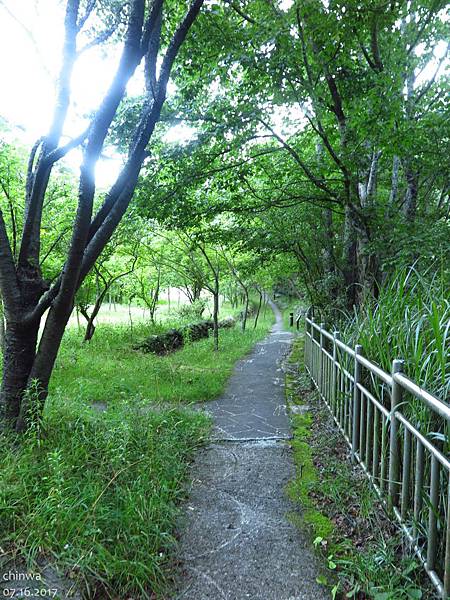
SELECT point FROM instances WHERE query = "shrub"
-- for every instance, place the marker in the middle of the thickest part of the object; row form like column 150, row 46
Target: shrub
column 192, row 311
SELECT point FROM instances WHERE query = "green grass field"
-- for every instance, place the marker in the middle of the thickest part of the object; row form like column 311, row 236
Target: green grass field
column 95, row 488
column 109, row 370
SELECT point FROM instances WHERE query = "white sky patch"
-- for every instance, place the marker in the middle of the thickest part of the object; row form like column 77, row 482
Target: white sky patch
column 429, row 70
column 286, row 4
column 32, row 43
column 137, row 83
column 287, row 120
column 214, row 89
column 180, row 134
column 441, row 49
column 107, row 170
column 27, row 99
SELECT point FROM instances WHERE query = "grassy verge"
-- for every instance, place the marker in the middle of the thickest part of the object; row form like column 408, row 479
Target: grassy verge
column 95, row 487
column 362, row 550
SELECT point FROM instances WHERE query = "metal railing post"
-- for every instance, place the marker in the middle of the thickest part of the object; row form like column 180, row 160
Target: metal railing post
column 433, row 515
column 306, row 343
column 321, row 384
column 447, row 548
column 335, row 369
column 418, row 485
column 394, row 448
column 356, row 425
column 406, row 476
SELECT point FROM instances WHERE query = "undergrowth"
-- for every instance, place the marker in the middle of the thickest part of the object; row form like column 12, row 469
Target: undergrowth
column 99, row 494
column 95, row 487
column 362, row 550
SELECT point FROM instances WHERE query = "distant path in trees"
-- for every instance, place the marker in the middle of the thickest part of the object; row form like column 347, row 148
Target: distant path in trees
column 237, row 541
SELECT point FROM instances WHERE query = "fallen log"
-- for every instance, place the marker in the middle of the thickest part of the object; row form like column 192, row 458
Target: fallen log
column 173, row 339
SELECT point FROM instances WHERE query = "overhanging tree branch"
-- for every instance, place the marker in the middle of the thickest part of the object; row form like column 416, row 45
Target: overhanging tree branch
column 295, row 155
column 60, row 152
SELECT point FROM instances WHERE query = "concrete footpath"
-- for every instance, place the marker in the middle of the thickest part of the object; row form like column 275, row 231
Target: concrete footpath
column 236, row 539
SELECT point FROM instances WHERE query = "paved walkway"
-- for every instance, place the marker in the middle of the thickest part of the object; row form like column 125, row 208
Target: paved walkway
column 236, row 541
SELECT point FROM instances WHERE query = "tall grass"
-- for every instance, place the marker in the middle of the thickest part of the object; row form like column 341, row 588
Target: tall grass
column 409, row 320
column 98, row 495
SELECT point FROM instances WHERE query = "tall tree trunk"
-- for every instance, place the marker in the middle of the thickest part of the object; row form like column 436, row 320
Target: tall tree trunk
column 2, row 328
column 258, row 310
column 366, row 258
column 18, row 358
column 130, row 316
column 328, row 261
column 21, row 337
column 365, row 267
column 155, row 297
column 83, row 309
column 154, row 303
column 245, row 314
column 349, row 257
column 43, row 363
column 90, row 328
column 196, row 292
column 394, row 183
column 216, row 312
column 412, row 191
column 329, row 267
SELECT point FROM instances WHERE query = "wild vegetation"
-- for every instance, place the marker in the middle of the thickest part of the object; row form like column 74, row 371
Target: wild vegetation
column 97, row 483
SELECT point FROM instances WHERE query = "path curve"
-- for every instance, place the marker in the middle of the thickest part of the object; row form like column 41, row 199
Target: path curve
column 237, row 541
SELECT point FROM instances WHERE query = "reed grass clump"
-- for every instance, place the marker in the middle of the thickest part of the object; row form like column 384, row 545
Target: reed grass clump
column 410, row 320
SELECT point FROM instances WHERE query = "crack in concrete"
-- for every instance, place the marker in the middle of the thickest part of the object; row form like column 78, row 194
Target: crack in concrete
column 208, row 579
column 264, row 441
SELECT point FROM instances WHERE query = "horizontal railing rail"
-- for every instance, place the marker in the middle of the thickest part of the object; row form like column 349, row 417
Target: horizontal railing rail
column 399, row 433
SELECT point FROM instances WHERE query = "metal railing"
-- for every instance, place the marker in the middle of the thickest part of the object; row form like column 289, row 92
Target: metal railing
column 399, row 433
